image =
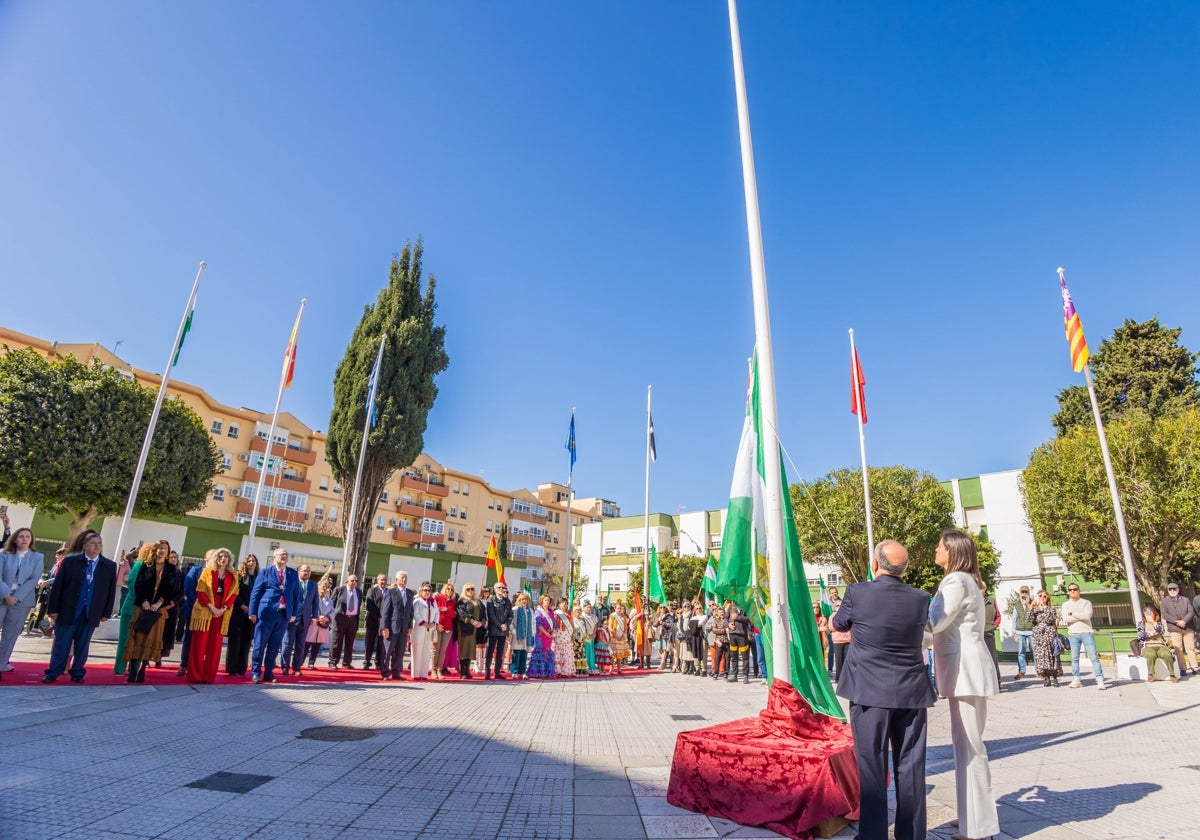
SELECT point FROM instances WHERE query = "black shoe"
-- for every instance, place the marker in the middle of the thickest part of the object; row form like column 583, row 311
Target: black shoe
column 350, row 665
column 48, row 679
column 269, row 678
column 77, row 679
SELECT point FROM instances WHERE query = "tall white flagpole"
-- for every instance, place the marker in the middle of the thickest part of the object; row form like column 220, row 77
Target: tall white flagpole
column 772, row 501
column 862, row 448
column 288, row 360
column 1126, row 548
column 372, row 392
column 131, row 502
column 569, row 566
column 646, row 540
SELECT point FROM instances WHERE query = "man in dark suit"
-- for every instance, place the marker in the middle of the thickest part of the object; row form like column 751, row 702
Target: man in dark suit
column 396, row 620
column 293, row 634
column 274, row 604
column 374, row 602
column 80, row 598
column 884, row 679
column 499, row 618
column 347, row 607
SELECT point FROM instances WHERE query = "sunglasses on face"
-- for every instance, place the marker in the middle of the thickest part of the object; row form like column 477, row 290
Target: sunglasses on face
column 1072, row 588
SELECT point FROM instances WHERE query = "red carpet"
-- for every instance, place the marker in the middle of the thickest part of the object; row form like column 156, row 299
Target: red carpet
column 101, row 673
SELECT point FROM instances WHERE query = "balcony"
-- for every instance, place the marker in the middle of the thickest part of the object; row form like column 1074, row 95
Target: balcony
column 267, row 512
column 403, row 537
column 288, row 453
column 531, row 518
column 420, row 511
column 302, row 485
column 421, row 485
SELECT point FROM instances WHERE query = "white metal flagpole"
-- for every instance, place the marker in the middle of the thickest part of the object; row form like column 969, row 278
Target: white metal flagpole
column 569, row 566
column 1122, row 531
column 372, row 391
column 772, row 501
column 289, row 359
column 646, row 540
column 862, row 446
column 131, row 502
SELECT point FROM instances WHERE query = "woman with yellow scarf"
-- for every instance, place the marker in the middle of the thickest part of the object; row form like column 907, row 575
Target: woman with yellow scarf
column 216, row 592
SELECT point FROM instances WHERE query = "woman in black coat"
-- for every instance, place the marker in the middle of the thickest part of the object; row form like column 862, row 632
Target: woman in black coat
column 241, row 631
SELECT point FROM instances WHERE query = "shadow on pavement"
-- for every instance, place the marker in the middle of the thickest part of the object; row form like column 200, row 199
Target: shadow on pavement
column 1045, row 806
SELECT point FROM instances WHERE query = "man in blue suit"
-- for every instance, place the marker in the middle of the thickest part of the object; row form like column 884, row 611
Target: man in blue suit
column 274, row 604
column 885, row 681
column 185, row 614
column 80, row 598
column 293, row 635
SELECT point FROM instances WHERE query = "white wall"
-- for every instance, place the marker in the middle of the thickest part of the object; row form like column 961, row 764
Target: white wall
column 418, row 568
column 139, row 530
column 1011, row 536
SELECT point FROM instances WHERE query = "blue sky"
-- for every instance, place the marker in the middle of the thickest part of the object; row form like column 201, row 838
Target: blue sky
column 574, row 171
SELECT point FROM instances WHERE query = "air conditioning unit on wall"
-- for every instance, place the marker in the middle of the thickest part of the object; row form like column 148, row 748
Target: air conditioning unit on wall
column 236, row 491
column 244, row 456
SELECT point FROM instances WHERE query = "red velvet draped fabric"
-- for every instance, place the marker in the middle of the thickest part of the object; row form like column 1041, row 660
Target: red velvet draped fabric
column 786, row 770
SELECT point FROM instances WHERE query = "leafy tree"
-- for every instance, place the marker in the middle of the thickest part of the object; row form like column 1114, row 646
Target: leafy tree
column 415, row 354
column 908, row 506
column 1140, row 366
column 1157, row 466
column 682, row 575
column 70, row 436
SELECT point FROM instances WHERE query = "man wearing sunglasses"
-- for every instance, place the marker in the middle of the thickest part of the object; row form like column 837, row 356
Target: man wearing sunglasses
column 1077, row 615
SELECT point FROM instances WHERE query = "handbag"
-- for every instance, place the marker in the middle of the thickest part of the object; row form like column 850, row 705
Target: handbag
column 146, row 621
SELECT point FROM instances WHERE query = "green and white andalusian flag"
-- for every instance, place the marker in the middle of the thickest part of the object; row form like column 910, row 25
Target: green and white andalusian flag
column 709, row 584
column 743, row 575
column 826, row 601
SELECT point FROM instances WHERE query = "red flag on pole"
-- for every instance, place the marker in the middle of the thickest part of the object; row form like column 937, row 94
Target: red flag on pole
column 858, row 399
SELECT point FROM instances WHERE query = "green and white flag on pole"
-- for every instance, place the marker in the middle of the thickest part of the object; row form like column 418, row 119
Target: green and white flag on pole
column 743, row 573
column 826, row 602
column 654, row 587
column 709, row 583
column 187, row 328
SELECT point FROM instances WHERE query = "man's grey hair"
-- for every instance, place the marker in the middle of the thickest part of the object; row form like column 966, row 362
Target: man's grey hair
column 891, row 557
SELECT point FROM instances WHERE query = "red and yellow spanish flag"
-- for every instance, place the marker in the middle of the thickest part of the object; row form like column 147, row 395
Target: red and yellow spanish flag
column 1079, row 348
column 493, row 562
column 289, row 355
column 858, row 398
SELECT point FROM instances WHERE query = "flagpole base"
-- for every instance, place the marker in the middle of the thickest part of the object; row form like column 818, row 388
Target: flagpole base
column 789, row 770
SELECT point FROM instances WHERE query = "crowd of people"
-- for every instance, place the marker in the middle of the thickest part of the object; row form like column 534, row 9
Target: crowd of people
column 280, row 620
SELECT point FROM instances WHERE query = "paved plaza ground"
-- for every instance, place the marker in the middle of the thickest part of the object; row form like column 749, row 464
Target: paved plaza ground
column 584, row 758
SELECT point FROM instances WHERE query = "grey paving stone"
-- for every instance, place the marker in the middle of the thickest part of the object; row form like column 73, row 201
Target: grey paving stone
column 606, row 805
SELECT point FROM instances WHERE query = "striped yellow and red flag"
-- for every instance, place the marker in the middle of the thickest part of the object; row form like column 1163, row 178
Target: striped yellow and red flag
column 493, row 562
column 289, row 355
column 1074, row 327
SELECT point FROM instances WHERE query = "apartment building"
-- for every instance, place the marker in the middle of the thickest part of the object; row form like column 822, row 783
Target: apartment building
column 424, row 506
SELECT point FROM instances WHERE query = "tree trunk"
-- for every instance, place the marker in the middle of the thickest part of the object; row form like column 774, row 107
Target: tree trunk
column 80, row 523
column 373, row 482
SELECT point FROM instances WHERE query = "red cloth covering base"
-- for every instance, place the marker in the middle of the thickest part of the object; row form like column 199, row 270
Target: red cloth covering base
column 787, row 770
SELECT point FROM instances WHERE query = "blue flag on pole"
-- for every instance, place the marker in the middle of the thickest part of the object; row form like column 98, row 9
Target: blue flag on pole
column 373, row 390
column 570, row 447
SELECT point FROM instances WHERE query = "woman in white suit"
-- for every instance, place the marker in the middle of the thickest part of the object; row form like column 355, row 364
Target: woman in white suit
column 20, row 569
column 967, row 678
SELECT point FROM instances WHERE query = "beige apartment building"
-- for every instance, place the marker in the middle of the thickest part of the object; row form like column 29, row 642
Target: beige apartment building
column 425, row 505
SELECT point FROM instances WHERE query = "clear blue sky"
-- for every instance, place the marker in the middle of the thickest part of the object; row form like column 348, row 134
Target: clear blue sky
column 574, row 171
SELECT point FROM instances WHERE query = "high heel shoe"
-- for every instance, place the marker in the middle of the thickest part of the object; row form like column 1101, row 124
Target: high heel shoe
column 132, row 667
column 141, row 674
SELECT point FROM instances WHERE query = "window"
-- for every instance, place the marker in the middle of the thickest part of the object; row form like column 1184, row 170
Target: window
column 319, row 512
column 332, row 514
column 637, row 549
column 323, row 484
column 455, row 487
column 219, row 493
column 449, row 534
column 216, row 427
column 432, row 527
column 233, row 431
column 379, row 523
column 460, row 537
column 226, row 461
column 337, row 488
column 383, row 497
column 556, row 539
column 556, row 519
column 490, row 505
column 489, row 525
column 462, row 514
column 526, row 507
column 453, row 510
column 466, row 490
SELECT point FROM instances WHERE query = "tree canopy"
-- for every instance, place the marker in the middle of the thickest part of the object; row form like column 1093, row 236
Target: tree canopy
column 1157, row 466
column 70, row 436
column 682, row 575
column 414, row 355
column 1141, row 366
column 907, row 505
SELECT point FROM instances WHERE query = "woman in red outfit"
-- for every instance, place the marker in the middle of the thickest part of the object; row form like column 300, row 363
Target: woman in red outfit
column 216, row 591
column 445, row 649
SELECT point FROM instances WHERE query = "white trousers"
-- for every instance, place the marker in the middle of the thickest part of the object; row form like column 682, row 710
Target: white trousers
column 422, row 651
column 977, row 815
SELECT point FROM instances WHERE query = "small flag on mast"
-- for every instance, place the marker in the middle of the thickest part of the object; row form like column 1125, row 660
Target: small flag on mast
column 1074, row 327
column 826, row 601
column 858, row 398
column 570, row 447
column 187, row 328
column 709, row 583
column 373, row 390
column 654, row 587
column 289, row 356
column 493, row 562
column 653, row 450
